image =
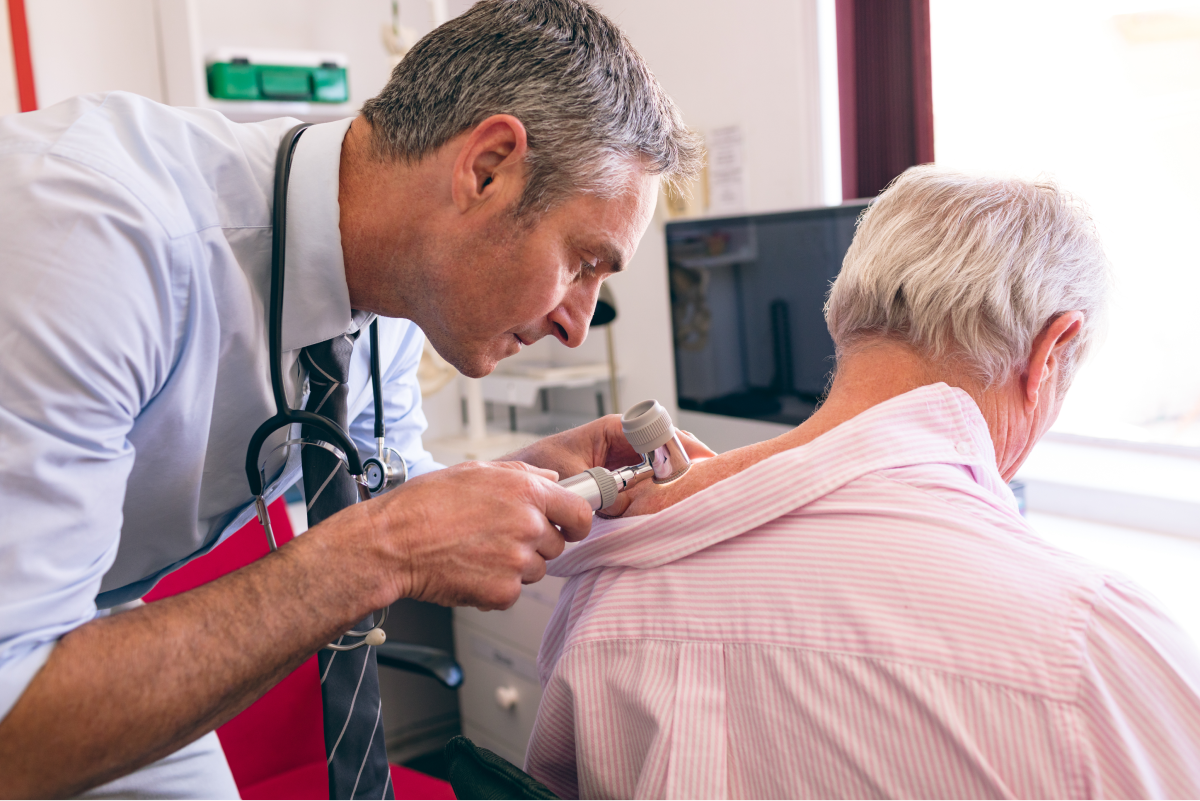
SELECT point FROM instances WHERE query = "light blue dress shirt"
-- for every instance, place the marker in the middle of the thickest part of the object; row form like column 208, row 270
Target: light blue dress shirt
column 135, row 244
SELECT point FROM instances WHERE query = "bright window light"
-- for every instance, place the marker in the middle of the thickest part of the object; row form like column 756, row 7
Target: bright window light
column 1105, row 98
column 831, row 130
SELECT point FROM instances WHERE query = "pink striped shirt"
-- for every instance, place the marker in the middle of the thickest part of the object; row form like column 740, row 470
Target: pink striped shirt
column 864, row 616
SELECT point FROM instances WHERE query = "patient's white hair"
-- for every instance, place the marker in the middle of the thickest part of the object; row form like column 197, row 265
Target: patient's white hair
column 970, row 269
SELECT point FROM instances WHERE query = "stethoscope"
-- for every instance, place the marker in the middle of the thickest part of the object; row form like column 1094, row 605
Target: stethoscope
column 371, row 475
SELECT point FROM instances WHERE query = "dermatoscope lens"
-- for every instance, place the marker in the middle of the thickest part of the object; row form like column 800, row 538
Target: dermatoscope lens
column 648, row 427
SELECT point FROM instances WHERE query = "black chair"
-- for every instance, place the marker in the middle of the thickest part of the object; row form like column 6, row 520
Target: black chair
column 478, row 773
column 421, row 659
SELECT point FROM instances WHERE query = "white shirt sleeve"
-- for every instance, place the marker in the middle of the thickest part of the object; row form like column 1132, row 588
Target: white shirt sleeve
column 401, row 343
column 85, row 341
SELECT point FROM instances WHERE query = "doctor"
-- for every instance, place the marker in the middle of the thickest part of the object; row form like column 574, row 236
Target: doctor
column 510, row 165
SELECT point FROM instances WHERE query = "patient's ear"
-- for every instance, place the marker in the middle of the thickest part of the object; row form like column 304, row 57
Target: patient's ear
column 1045, row 358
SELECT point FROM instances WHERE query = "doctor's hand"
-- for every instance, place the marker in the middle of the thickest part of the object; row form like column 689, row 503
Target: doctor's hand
column 600, row 443
column 472, row 534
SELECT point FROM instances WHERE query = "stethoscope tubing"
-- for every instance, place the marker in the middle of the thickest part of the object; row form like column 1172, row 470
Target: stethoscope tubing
column 286, row 416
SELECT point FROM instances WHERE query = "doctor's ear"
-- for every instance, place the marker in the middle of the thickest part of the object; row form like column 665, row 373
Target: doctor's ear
column 490, row 167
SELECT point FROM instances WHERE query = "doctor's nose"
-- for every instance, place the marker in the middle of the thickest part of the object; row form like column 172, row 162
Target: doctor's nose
column 573, row 316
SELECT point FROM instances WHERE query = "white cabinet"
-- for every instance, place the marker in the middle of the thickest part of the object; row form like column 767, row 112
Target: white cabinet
column 500, row 692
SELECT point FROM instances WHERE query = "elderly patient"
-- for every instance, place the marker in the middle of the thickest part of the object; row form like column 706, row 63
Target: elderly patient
column 857, row 608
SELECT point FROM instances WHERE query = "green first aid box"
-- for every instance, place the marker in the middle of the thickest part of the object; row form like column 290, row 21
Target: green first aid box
column 241, row 80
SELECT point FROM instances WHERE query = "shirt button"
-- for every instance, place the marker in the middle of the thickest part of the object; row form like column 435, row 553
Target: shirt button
column 963, row 447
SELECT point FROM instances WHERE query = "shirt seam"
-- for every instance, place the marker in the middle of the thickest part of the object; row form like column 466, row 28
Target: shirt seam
column 180, row 285
column 1066, row 701
column 172, row 237
column 1075, row 744
column 148, row 208
column 1086, row 633
column 1076, row 670
column 65, row 154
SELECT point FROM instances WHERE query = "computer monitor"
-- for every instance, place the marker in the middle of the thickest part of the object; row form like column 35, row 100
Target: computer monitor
column 747, row 299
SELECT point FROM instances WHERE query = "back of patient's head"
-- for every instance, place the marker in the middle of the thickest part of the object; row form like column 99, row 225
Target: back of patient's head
column 971, row 270
column 588, row 101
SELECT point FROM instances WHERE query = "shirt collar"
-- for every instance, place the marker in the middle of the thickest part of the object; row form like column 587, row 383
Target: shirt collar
column 316, row 299
column 934, row 424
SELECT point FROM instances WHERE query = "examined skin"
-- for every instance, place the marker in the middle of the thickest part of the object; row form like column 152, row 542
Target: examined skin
column 1018, row 411
column 432, row 241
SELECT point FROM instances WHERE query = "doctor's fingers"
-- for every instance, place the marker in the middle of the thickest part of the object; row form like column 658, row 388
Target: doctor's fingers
column 616, row 450
column 527, row 468
column 536, row 490
column 694, row 448
column 542, row 541
column 566, row 510
column 535, row 571
column 551, row 544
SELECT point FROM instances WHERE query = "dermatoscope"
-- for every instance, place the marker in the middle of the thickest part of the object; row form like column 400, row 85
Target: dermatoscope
column 648, row 428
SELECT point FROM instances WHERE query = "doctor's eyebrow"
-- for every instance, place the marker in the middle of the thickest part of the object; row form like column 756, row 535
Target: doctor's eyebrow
column 616, row 261
column 608, row 254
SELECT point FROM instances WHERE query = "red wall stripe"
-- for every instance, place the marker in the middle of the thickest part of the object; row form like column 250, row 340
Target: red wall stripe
column 22, row 58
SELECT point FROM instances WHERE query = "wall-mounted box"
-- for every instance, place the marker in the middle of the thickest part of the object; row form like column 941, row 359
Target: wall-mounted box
column 279, row 75
column 310, row 85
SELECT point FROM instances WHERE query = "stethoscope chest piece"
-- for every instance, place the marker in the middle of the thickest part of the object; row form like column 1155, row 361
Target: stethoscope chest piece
column 386, row 469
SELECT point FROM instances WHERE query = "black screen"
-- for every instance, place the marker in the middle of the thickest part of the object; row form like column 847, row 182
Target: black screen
column 747, row 298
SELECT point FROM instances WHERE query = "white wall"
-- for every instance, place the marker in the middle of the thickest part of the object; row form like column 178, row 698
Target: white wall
column 81, row 46
column 351, row 28
column 1108, row 103
column 754, row 65
column 8, row 74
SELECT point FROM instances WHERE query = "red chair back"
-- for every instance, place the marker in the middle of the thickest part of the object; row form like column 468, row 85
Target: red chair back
column 276, row 748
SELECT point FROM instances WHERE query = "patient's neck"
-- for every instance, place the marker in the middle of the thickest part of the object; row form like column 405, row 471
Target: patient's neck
column 867, row 376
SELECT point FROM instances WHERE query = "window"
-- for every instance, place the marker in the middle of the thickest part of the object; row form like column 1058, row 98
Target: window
column 1105, row 98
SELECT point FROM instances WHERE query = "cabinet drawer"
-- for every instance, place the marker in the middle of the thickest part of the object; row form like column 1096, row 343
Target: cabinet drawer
column 524, row 622
column 495, row 672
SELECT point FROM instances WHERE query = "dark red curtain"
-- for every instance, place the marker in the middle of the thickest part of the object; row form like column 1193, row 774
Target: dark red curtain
column 886, row 91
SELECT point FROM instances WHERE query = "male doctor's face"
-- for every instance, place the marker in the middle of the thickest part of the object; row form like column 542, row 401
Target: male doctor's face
column 507, row 285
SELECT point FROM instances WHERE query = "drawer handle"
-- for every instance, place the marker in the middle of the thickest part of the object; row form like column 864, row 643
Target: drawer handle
column 507, row 697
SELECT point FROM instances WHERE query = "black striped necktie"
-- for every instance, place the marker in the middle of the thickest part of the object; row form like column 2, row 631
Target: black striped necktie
column 357, row 760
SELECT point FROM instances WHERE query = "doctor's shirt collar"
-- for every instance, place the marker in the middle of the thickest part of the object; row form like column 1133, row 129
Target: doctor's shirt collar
column 316, row 299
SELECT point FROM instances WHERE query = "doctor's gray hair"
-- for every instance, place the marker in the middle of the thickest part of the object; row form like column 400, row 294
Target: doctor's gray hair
column 971, row 269
column 590, row 105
